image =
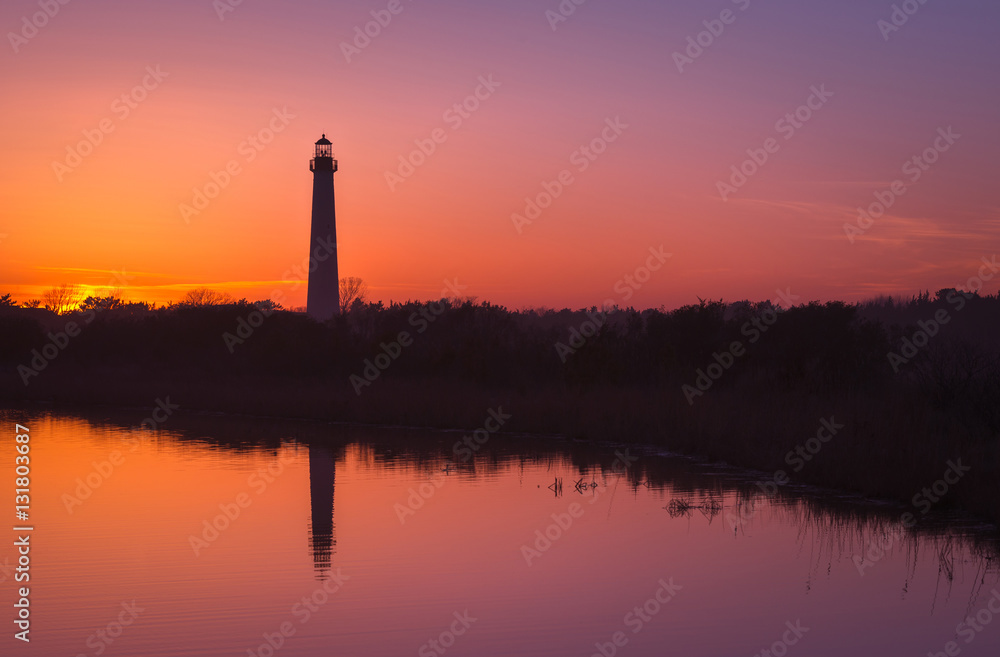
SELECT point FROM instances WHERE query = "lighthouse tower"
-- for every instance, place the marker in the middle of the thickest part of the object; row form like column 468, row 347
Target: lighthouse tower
column 323, row 298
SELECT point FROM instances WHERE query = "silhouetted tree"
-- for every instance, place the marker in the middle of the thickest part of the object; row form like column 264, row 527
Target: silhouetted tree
column 352, row 290
column 62, row 299
column 99, row 304
column 203, row 296
column 7, row 302
column 267, row 305
column 33, row 303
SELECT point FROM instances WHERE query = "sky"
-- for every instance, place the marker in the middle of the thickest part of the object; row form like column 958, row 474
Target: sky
column 586, row 138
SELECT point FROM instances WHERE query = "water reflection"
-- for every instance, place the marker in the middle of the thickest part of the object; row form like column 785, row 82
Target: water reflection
column 748, row 562
column 322, row 529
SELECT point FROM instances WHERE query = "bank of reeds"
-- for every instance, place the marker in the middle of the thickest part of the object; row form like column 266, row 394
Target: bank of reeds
column 619, row 377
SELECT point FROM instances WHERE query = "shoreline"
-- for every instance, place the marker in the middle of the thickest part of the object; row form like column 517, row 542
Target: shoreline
column 719, row 435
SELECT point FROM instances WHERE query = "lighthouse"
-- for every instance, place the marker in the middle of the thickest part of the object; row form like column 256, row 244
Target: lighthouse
column 323, row 297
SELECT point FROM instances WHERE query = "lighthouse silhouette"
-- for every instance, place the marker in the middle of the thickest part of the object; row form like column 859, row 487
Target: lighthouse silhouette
column 323, row 296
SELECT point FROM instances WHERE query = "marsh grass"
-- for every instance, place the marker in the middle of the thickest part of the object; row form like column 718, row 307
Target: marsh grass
column 623, row 385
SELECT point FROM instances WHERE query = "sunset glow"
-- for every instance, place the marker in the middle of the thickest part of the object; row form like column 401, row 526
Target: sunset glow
column 454, row 117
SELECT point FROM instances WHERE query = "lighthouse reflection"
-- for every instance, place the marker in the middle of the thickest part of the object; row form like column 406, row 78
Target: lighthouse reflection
column 322, row 533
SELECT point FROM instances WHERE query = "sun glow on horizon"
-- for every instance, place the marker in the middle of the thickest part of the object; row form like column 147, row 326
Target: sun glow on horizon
column 110, row 137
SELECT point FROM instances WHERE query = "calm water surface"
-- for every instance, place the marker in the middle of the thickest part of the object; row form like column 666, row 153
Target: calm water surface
column 337, row 540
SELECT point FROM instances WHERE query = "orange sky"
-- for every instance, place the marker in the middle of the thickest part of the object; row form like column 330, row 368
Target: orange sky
column 656, row 184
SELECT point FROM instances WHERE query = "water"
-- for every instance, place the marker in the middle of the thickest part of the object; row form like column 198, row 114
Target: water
column 394, row 545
